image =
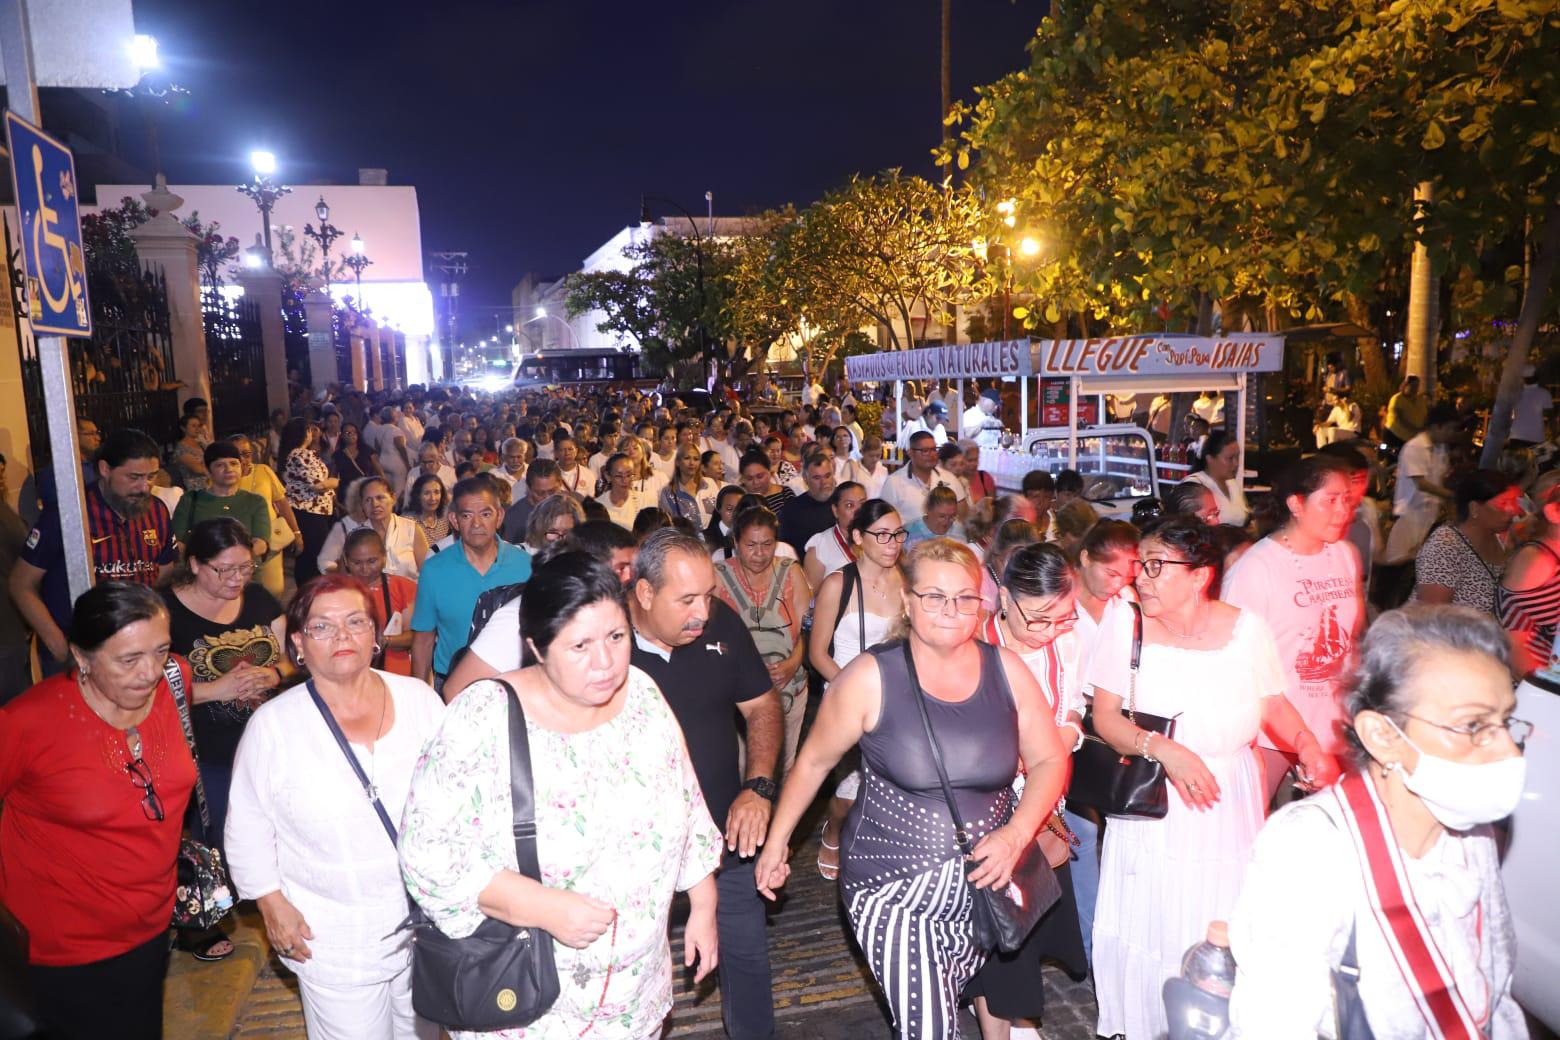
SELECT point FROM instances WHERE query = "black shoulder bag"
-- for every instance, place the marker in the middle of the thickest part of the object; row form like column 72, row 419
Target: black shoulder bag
column 202, row 896
column 1002, row 919
column 499, row 976
column 1114, row 784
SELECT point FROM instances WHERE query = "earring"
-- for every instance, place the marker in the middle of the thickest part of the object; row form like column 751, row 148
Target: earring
column 377, row 648
column 1003, row 613
column 298, row 658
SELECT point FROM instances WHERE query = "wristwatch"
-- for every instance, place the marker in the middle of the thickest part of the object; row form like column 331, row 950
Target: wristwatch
column 763, row 787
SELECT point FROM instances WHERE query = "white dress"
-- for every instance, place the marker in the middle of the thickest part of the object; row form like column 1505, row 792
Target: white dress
column 826, row 547
column 1162, row 881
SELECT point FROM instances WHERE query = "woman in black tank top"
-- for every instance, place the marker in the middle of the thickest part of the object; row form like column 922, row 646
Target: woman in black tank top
column 903, row 875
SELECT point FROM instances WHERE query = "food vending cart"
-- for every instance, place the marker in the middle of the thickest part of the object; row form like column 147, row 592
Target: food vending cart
column 1072, row 379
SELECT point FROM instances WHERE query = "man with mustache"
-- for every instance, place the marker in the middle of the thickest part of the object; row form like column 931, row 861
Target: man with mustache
column 699, row 652
column 129, row 530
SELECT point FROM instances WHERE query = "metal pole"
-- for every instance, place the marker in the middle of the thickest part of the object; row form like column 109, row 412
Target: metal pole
column 1074, row 387
column 1240, row 425
column 59, row 399
column 265, row 226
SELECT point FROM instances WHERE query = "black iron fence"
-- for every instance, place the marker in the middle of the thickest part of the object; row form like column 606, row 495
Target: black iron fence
column 341, row 333
column 235, row 356
column 124, row 375
column 295, row 332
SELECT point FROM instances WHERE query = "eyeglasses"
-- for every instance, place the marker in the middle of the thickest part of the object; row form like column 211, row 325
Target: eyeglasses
column 1043, row 623
column 1483, row 733
column 141, row 776
column 356, row 625
column 937, row 602
column 1152, row 567
column 884, row 537
column 243, row 570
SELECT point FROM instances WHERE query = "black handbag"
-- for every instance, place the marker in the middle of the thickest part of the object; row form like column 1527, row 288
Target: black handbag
column 1105, row 780
column 1002, row 919
column 202, row 896
column 499, row 976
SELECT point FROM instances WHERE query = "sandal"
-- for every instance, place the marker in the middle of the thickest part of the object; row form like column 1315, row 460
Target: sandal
column 828, row 871
column 205, row 946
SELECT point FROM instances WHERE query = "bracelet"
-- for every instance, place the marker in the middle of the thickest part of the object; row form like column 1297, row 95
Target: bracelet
column 1147, row 736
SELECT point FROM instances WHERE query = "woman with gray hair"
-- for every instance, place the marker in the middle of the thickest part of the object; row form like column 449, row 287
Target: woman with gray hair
column 551, row 521
column 1393, row 872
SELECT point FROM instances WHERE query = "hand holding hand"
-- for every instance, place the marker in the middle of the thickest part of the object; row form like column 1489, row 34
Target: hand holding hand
column 577, row 920
column 1318, row 769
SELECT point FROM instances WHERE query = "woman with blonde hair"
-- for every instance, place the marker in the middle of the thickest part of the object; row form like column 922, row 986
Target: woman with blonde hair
column 551, row 521
column 909, row 892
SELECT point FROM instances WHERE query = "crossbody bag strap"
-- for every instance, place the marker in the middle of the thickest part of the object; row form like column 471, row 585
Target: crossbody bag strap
column 522, row 789
column 357, row 767
column 384, row 594
column 729, row 577
column 777, row 586
column 960, row 835
column 175, row 676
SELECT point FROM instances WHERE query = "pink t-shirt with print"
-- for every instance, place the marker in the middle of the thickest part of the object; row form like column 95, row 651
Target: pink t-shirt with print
column 1315, row 607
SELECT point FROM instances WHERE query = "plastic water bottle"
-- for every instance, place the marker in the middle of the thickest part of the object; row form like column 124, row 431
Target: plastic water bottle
column 1197, row 1003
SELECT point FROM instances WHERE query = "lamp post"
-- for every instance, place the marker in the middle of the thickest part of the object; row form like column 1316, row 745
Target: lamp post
column 264, row 192
column 326, row 236
column 153, row 89
column 357, row 261
column 705, row 348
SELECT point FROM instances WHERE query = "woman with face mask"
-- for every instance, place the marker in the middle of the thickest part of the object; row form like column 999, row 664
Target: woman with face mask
column 1394, row 870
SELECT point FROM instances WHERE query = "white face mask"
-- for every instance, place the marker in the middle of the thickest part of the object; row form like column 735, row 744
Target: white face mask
column 1463, row 795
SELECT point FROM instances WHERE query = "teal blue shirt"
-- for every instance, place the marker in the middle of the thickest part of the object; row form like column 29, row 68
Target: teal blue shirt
column 447, row 591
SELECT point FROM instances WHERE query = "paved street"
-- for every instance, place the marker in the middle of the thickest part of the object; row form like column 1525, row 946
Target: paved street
column 822, row 989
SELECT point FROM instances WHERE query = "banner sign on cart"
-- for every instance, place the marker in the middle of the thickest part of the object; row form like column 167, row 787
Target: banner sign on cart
column 1055, row 405
column 1161, row 355
column 1009, row 357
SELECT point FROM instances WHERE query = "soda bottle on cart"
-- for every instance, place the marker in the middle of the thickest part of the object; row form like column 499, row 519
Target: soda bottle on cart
column 1197, row 1002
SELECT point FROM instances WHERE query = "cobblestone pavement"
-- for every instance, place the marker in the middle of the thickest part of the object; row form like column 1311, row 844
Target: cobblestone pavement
column 823, row 989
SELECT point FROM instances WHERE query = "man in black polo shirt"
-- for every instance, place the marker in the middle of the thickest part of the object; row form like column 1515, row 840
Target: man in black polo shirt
column 806, row 515
column 701, row 655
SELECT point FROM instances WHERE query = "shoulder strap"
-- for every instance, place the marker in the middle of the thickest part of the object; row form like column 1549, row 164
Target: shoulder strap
column 175, row 676
column 959, row 833
column 730, row 579
column 777, row 586
column 384, row 594
column 1540, row 545
column 521, row 788
column 357, row 767
column 1137, row 655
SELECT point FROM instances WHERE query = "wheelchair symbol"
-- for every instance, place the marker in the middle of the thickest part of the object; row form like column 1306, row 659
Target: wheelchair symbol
column 73, row 290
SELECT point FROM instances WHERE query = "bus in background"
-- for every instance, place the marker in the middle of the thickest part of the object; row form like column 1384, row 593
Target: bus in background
column 562, row 367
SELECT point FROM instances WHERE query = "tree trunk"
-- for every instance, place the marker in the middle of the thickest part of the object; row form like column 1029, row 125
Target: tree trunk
column 1377, row 379
column 1423, row 295
column 1541, row 273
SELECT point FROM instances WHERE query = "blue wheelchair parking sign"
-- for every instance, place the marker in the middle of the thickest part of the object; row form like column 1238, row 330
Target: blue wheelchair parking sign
column 43, row 175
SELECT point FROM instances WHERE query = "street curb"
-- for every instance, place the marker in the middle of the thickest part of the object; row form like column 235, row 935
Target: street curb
column 203, row 1001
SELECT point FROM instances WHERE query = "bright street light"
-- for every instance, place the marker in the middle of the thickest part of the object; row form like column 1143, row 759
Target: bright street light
column 143, row 51
column 1029, row 246
column 263, row 163
column 509, row 328
column 1008, row 208
column 357, row 243
column 541, row 312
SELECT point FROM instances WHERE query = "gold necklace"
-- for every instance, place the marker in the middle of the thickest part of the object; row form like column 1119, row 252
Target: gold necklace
column 1188, row 634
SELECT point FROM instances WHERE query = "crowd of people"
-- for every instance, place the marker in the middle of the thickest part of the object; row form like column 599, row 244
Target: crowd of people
column 711, row 617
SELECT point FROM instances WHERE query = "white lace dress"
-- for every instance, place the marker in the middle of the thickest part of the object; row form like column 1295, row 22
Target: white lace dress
column 1162, row 881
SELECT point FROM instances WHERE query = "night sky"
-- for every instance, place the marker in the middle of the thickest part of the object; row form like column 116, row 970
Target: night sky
column 531, row 129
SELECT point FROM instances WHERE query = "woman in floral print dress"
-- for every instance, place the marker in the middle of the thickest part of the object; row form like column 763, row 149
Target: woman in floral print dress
column 621, row 823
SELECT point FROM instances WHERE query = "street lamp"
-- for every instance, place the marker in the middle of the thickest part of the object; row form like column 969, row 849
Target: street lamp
column 326, row 237
column 357, row 261
column 152, row 88
column 255, row 256
column 1029, row 246
column 264, row 192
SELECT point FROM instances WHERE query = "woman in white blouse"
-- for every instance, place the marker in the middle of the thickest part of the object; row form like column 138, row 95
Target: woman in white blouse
column 406, row 547
column 1398, row 860
column 305, row 843
column 620, row 820
column 828, row 551
column 1220, row 473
